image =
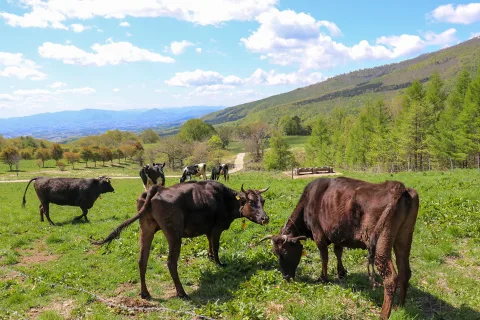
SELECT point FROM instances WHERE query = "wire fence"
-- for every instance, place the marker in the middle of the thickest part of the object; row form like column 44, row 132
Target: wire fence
column 105, row 301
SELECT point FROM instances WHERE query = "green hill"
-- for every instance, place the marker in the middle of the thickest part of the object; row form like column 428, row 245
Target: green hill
column 352, row 89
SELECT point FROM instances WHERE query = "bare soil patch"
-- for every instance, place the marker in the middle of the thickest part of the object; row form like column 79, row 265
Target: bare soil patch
column 63, row 308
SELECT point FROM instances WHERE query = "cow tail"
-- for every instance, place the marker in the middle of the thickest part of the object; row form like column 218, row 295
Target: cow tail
column 398, row 191
column 116, row 233
column 25, row 201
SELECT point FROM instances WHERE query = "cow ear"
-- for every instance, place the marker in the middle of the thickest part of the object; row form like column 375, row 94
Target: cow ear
column 164, row 164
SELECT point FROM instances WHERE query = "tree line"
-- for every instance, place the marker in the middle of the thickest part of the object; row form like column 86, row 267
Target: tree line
column 422, row 128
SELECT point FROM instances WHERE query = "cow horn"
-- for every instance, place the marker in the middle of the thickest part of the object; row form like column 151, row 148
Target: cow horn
column 270, row 236
column 263, row 190
column 285, row 238
column 298, row 238
column 242, row 189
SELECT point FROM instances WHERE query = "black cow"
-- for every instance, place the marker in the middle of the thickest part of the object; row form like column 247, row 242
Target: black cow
column 151, row 173
column 77, row 192
column 197, row 170
column 354, row 214
column 217, row 172
column 188, row 210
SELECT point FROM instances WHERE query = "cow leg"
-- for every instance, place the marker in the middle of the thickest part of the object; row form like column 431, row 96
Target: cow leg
column 46, row 210
column 384, row 264
column 341, row 271
column 84, row 214
column 147, row 232
column 214, row 245
column 41, row 213
column 174, row 245
column 323, row 248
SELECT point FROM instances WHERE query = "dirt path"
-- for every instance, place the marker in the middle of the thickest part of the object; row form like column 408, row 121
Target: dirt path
column 238, row 167
column 238, row 163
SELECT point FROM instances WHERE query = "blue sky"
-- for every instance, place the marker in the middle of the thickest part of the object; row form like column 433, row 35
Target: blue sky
column 116, row 54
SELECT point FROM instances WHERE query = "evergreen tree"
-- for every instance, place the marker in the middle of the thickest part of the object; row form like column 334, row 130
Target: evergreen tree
column 278, row 157
column 318, row 148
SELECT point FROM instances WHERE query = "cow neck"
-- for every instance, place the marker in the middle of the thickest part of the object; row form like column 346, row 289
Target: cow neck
column 294, row 226
column 240, row 207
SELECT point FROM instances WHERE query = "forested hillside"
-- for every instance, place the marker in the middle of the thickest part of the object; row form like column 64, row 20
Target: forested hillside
column 351, row 91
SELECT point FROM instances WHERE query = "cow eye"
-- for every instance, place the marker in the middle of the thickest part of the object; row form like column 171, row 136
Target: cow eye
column 252, row 203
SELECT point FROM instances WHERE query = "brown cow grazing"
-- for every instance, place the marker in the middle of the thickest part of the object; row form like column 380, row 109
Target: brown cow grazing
column 188, row 210
column 353, row 214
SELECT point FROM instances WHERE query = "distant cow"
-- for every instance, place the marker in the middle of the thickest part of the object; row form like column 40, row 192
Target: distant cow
column 354, row 214
column 188, row 210
column 220, row 170
column 151, row 173
column 75, row 192
column 197, row 170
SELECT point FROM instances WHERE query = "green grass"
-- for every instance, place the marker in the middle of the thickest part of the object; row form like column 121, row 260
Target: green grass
column 445, row 259
column 296, row 142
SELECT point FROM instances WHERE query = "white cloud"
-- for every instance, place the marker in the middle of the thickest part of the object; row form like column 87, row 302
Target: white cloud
column 474, row 35
column 116, row 90
column 58, row 85
column 199, row 50
column 462, row 14
column 128, row 34
column 178, row 47
column 77, row 27
column 124, row 24
column 43, row 92
column 53, row 13
column 287, row 38
column 201, row 78
column 111, row 53
column 159, row 90
column 295, row 78
column 214, row 81
column 7, row 97
column 14, row 65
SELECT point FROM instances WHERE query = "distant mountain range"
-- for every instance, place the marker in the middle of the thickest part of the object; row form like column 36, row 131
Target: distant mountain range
column 351, row 90
column 58, row 126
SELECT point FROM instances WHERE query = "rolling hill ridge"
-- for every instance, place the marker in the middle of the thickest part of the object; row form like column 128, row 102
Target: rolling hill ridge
column 352, row 89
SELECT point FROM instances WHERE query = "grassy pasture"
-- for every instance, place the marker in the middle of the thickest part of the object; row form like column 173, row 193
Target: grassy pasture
column 445, row 260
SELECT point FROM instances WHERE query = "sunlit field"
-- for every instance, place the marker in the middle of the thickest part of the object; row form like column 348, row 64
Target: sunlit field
column 54, row 272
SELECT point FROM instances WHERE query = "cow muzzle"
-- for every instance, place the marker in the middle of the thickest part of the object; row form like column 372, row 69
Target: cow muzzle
column 264, row 221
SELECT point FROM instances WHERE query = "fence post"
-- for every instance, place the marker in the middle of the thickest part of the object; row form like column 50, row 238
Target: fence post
column 292, row 172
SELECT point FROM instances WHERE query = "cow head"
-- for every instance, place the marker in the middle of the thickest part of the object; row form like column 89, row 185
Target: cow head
column 252, row 205
column 104, row 183
column 155, row 172
column 288, row 251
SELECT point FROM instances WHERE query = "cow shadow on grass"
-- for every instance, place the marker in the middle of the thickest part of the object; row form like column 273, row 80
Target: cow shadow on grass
column 419, row 304
column 218, row 283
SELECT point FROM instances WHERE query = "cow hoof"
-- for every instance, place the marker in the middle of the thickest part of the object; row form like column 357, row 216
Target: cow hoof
column 342, row 274
column 323, row 279
column 183, row 296
column 146, row 296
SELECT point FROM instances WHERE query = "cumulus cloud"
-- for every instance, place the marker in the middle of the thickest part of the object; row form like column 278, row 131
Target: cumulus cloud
column 461, row 14
column 124, row 24
column 178, row 47
column 214, row 81
column 43, row 92
column 195, row 78
column 58, row 85
column 15, row 65
column 294, row 78
column 54, row 13
column 287, row 38
column 116, row 90
column 199, row 50
column 111, row 53
column 77, row 27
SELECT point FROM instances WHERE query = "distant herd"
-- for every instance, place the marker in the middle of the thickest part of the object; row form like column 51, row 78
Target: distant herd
column 345, row 212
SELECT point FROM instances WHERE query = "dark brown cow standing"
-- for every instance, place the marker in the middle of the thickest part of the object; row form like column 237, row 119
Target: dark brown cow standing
column 353, row 214
column 188, row 210
column 77, row 192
